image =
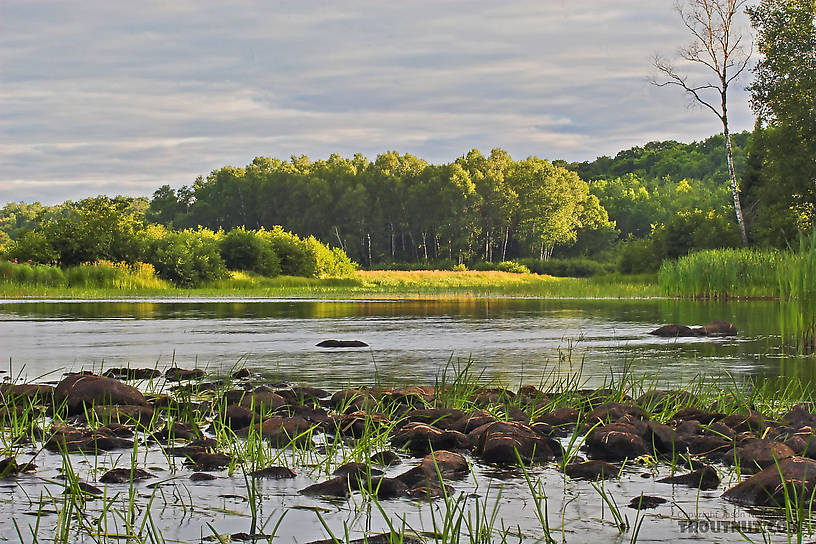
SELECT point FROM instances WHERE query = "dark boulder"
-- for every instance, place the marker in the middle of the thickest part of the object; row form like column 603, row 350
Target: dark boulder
column 342, row 344
column 717, row 328
column 127, row 413
column 176, row 374
column 385, row 458
column 757, row 453
column 421, row 439
column 125, row 475
column 80, row 391
column 616, row 442
column 25, row 394
column 795, row 476
column 274, row 473
column 592, row 470
column 356, row 470
column 504, row 442
column 646, row 502
column 673, row 330
column 704, row 478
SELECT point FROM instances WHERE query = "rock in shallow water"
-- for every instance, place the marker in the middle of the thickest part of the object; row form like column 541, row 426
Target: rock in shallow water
column 794, row 475
column 342, row 344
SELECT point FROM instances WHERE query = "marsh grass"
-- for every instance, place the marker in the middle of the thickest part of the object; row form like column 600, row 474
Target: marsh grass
column 112, row 281
column 456, row 518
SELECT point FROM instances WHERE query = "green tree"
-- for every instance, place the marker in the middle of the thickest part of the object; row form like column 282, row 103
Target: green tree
column 783, row 95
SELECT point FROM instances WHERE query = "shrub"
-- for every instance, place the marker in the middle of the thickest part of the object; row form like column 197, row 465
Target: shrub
column 188, row 258
column 568, row 268
column 245, row 250
column 329, row 261
column 512, row 267
column 295, row 257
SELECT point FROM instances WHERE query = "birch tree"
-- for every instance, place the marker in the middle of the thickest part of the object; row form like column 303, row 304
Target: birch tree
column 717, row 48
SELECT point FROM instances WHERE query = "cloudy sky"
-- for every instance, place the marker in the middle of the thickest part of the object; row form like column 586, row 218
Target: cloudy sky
column 114, row 97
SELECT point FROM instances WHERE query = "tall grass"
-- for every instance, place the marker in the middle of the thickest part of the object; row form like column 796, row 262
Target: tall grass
column 100, row 274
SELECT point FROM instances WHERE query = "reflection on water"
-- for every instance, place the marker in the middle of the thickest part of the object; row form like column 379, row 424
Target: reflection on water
column 515, row 340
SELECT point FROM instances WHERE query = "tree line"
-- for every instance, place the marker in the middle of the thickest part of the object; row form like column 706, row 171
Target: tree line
column 647, row 203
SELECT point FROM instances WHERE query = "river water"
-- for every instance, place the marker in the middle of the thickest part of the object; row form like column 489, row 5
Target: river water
column 509, row 340
column 512, row 341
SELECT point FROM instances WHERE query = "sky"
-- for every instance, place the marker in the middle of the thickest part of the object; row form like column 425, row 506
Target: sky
column 114, row 97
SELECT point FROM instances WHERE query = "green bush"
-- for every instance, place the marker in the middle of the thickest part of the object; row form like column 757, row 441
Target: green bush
column 329, row 261
column 187, row 258
column 638, row 255
column 512, row 267
column 568, row 268
column 245, row 250
column 25, row 274
column 295, row 257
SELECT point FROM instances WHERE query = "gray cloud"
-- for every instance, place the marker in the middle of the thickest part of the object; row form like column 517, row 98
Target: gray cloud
column 115, row 97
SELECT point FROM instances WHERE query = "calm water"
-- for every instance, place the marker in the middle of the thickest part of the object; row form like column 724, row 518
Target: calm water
column 513, row 340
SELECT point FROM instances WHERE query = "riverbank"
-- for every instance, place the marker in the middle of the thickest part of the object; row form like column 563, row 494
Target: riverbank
column 387, row 283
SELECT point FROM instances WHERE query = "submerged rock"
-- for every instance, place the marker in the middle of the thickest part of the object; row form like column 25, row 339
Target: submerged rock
column 717, row 328
column 421, row 439
column 133, row 373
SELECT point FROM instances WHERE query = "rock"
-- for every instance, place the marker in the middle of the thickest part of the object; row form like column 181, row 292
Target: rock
column 80, row 391
column 705, row 478
column 663, row 439
column 673, row 330
column 800, row 416
column 758, row 453
column 753, row 422
column 441, row 418
column 202, row 477
column 124, row 413
column 237, row 417
column 203, row 461
column 25, row 394
column 613, row 411
column 284, row 431
column 339, row 486
column 797, row 475
column 124, row 475
column 342, row 344
column 85, row 488
column 8, row 467
column 260, row 402
column 701, row 416
column 357, row 424
column 717, row 328
column 385, row 458
column 446, row 464
column 133, row 373
column 501, row 440
column 646, row 502
column 274, row 472
column 357, row 469
column 421, row 439
column 562, row 421
column 591, row 470
column 178, row 430
column 176, row 374
column 241, row 374
column 616, row 442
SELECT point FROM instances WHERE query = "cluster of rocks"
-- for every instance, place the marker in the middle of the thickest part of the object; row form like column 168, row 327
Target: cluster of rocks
column 418, row 422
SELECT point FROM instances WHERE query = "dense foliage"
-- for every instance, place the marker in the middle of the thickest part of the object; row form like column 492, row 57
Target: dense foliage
column 781, row 186
column 101, row 229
